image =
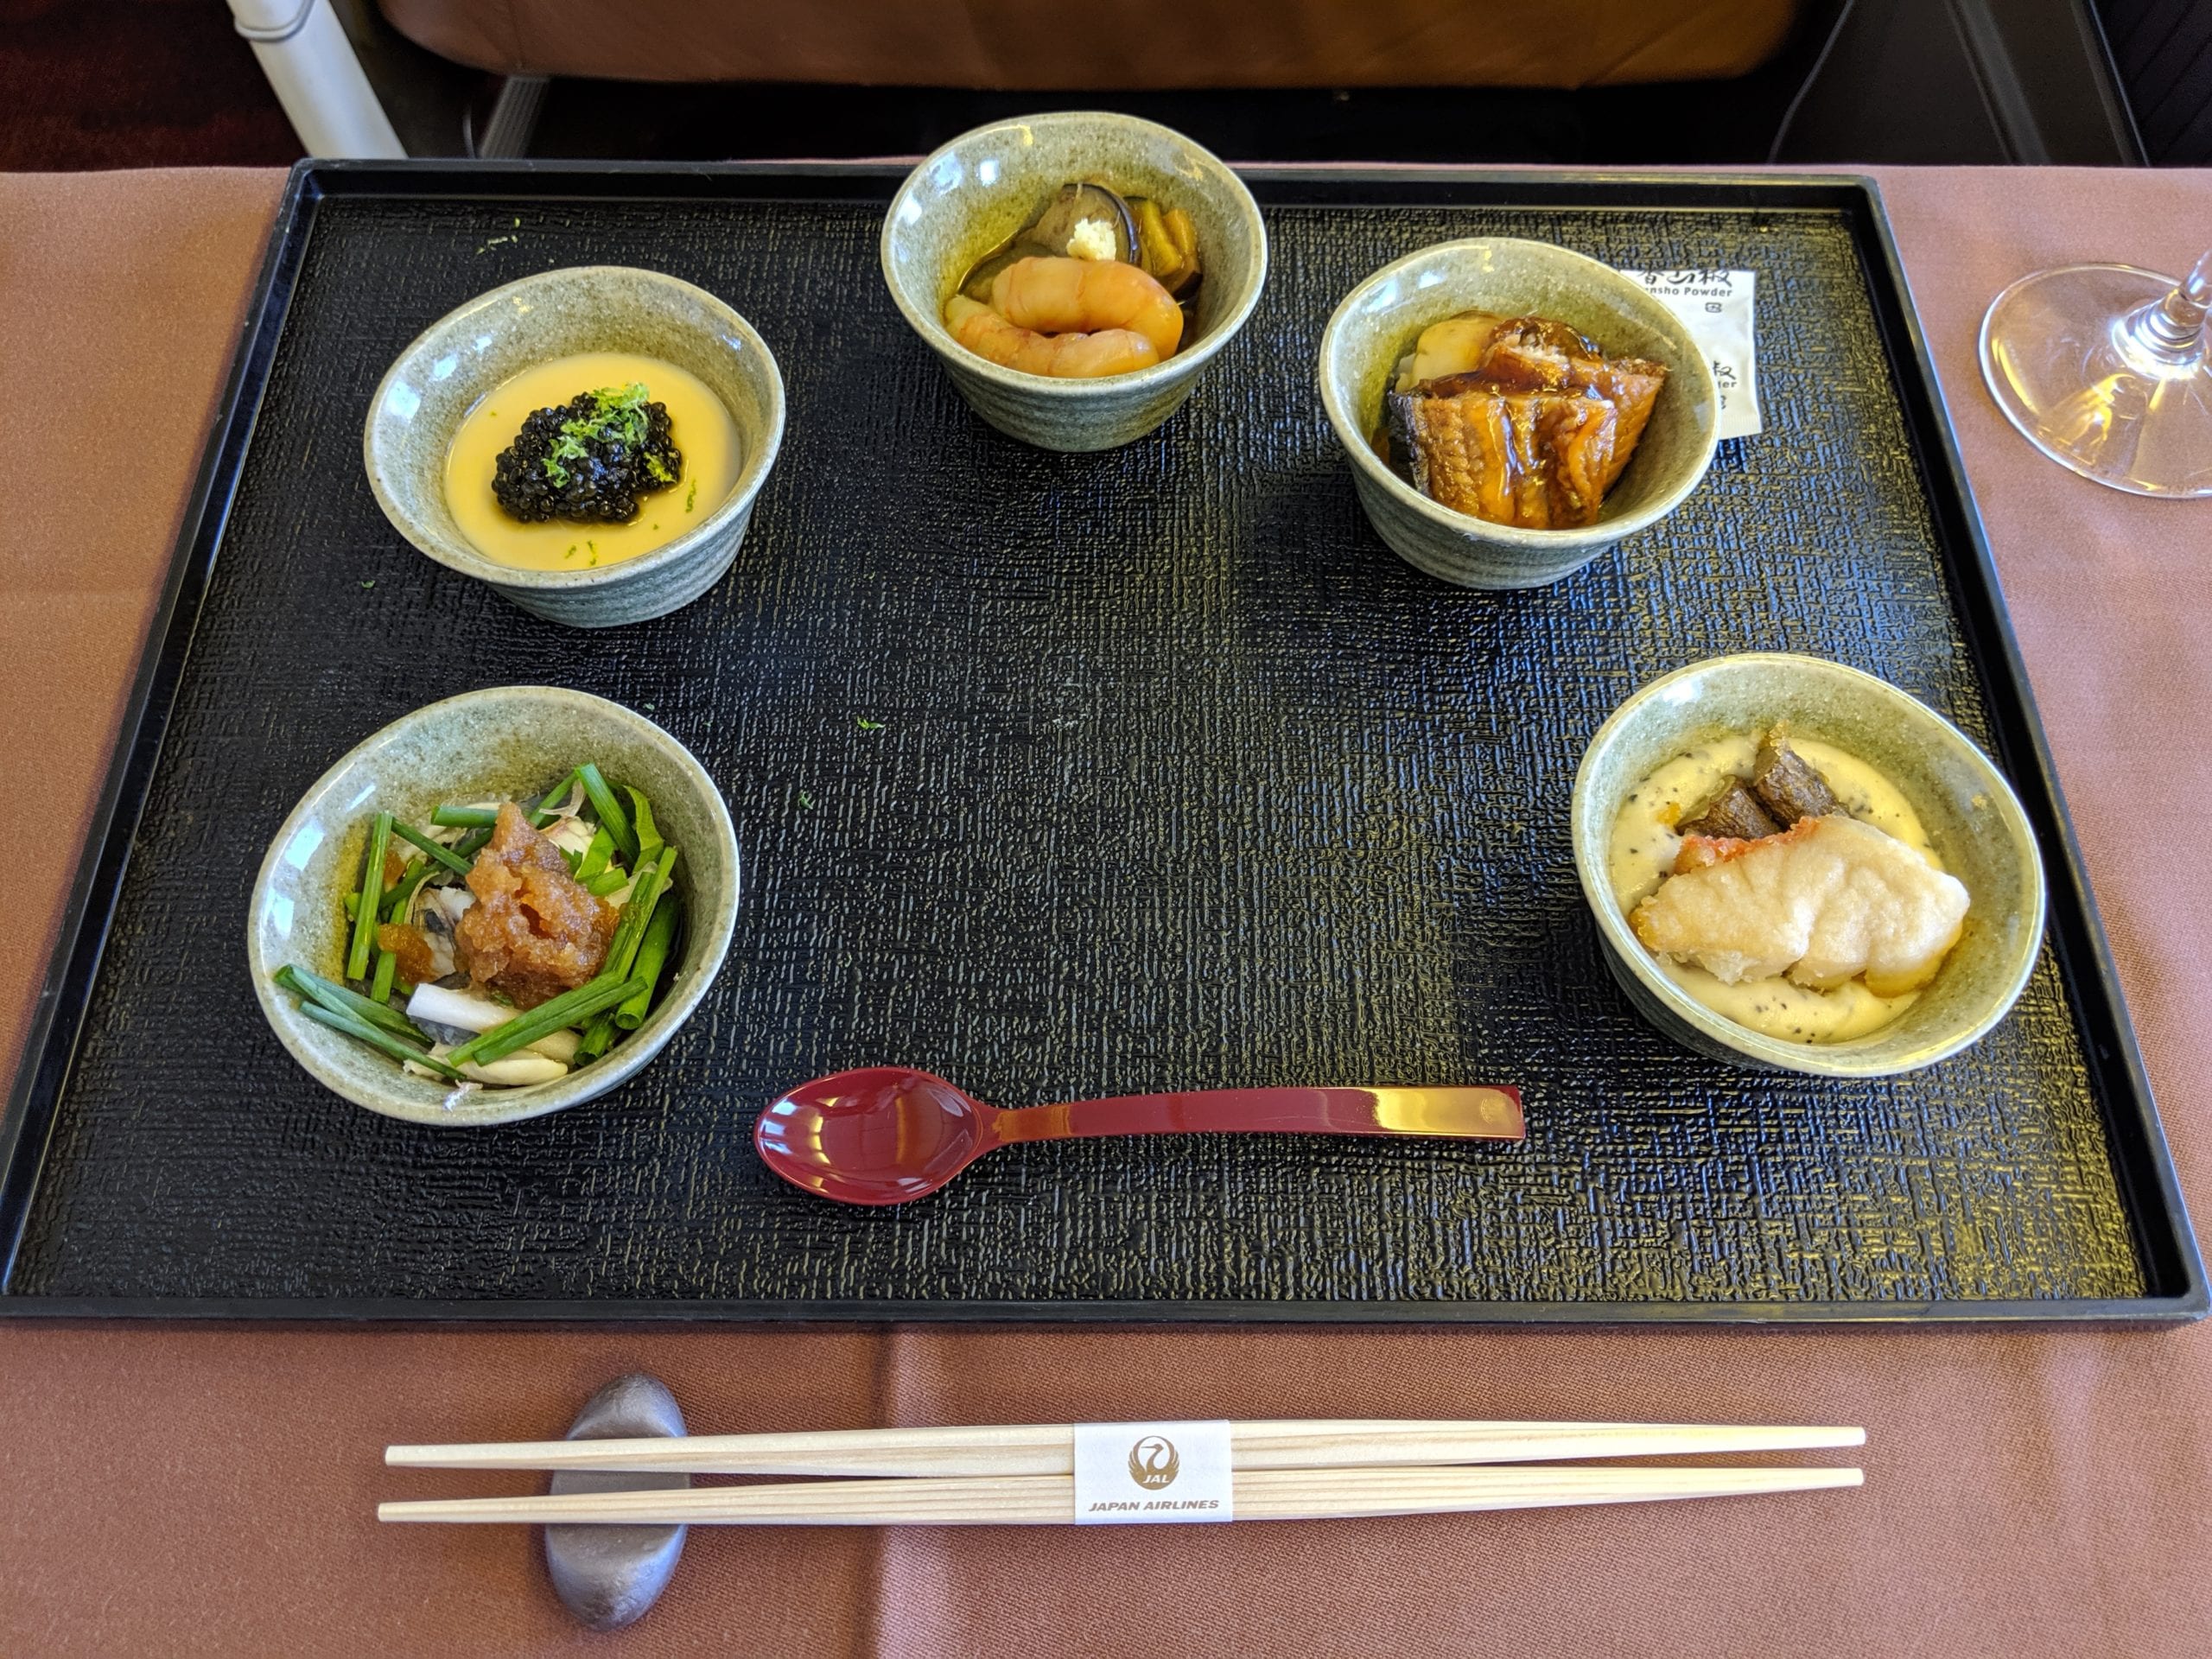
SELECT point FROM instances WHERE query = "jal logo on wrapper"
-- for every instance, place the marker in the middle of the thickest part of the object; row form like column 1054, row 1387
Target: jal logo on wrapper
column 1153, row 1462
column 1146, row 1472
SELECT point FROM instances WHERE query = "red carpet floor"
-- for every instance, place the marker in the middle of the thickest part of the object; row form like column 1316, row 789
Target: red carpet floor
column 132, row 83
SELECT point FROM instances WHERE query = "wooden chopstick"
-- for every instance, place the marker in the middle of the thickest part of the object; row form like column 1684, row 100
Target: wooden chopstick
column 1045, row 1500
column 1049, row 1448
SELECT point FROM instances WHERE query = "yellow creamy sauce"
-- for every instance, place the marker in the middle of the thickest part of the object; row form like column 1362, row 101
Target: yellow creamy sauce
column 702, row 428
column 1643, row 851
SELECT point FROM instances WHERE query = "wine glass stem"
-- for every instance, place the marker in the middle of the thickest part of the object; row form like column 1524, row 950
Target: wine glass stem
column 2173, row 328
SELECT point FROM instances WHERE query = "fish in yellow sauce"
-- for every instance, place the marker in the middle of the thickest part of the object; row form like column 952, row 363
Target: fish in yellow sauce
column 701, row 429
column 1647, row 849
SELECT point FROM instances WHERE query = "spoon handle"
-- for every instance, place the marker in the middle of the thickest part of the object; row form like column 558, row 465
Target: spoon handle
column 1459, row 1113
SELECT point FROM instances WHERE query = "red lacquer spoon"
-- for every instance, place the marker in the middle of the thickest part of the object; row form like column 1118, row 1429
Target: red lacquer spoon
column 887, row 1133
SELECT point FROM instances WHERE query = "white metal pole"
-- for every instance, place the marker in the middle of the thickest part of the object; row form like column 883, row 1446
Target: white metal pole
column 310, row 64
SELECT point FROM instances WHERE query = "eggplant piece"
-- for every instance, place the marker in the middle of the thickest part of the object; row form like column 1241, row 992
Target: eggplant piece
column 1735, row 813
column 1053, row 230
column 1787, row 785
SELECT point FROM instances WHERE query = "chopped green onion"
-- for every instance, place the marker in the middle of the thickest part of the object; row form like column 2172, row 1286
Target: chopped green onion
column 339, row 998
column 653, row 957
column 596, row 1038
column 387, row 970
column 608, row 881
column 630, row 932
column 641, row 816
column 622, row 951
column 464, row 817
column 365, row 918
column 596, row 854
column 379, row 1040
column 472, row 843
column 395, row 905
column 611, row 815
column 435, row 849
column 549, row 803
column 352, row 906
column 567, row 1009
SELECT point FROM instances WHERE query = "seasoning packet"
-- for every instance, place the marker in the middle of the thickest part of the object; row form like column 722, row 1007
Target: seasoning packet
column 1716, row 306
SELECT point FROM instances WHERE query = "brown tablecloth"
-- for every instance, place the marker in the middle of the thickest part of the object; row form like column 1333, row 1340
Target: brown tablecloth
column 174, row 1489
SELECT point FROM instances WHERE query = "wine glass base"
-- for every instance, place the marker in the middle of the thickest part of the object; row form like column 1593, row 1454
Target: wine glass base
column 2064, row 367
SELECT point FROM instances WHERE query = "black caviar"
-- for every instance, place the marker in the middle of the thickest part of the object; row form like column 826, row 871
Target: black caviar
column 592, row 459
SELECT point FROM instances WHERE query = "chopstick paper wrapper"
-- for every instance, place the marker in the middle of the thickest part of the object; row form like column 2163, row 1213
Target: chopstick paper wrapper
column 1150, row 1472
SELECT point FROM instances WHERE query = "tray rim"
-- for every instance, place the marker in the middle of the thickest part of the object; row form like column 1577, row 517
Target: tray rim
column 2149, row 1187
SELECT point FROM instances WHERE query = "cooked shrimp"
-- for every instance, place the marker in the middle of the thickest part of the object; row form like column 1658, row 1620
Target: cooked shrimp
column 1060, row 296
column 1067, row 357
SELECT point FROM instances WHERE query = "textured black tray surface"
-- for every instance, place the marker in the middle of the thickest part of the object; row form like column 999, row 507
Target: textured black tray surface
column 1181, row 780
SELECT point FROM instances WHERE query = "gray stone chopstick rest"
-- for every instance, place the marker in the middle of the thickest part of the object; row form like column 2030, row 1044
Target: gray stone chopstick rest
column 609, row 1576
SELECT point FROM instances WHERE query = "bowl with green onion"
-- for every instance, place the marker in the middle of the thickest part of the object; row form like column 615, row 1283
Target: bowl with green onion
column 498, row 907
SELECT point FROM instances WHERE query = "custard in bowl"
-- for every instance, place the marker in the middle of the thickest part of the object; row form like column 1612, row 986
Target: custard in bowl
column 588, row 460
column 589, row 441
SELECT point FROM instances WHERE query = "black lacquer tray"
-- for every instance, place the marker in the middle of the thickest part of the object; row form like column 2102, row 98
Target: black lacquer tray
column 1064, row 775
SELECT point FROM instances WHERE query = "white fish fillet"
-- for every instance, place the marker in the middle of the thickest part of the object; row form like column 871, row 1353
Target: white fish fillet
column 1823, row 902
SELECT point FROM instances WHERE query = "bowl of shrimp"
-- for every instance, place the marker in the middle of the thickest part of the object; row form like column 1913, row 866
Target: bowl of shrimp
column 1075, row 272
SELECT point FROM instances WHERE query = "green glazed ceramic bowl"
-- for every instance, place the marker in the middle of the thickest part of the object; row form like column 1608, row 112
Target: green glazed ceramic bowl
column 977, row 191
column 515, row 741
column 1971, row 814
column 468, row 352
column 1377, row 324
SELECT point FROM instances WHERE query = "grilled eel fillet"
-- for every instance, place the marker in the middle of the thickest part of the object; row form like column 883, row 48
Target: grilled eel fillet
column 1534, row 435
column 1534, row 459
